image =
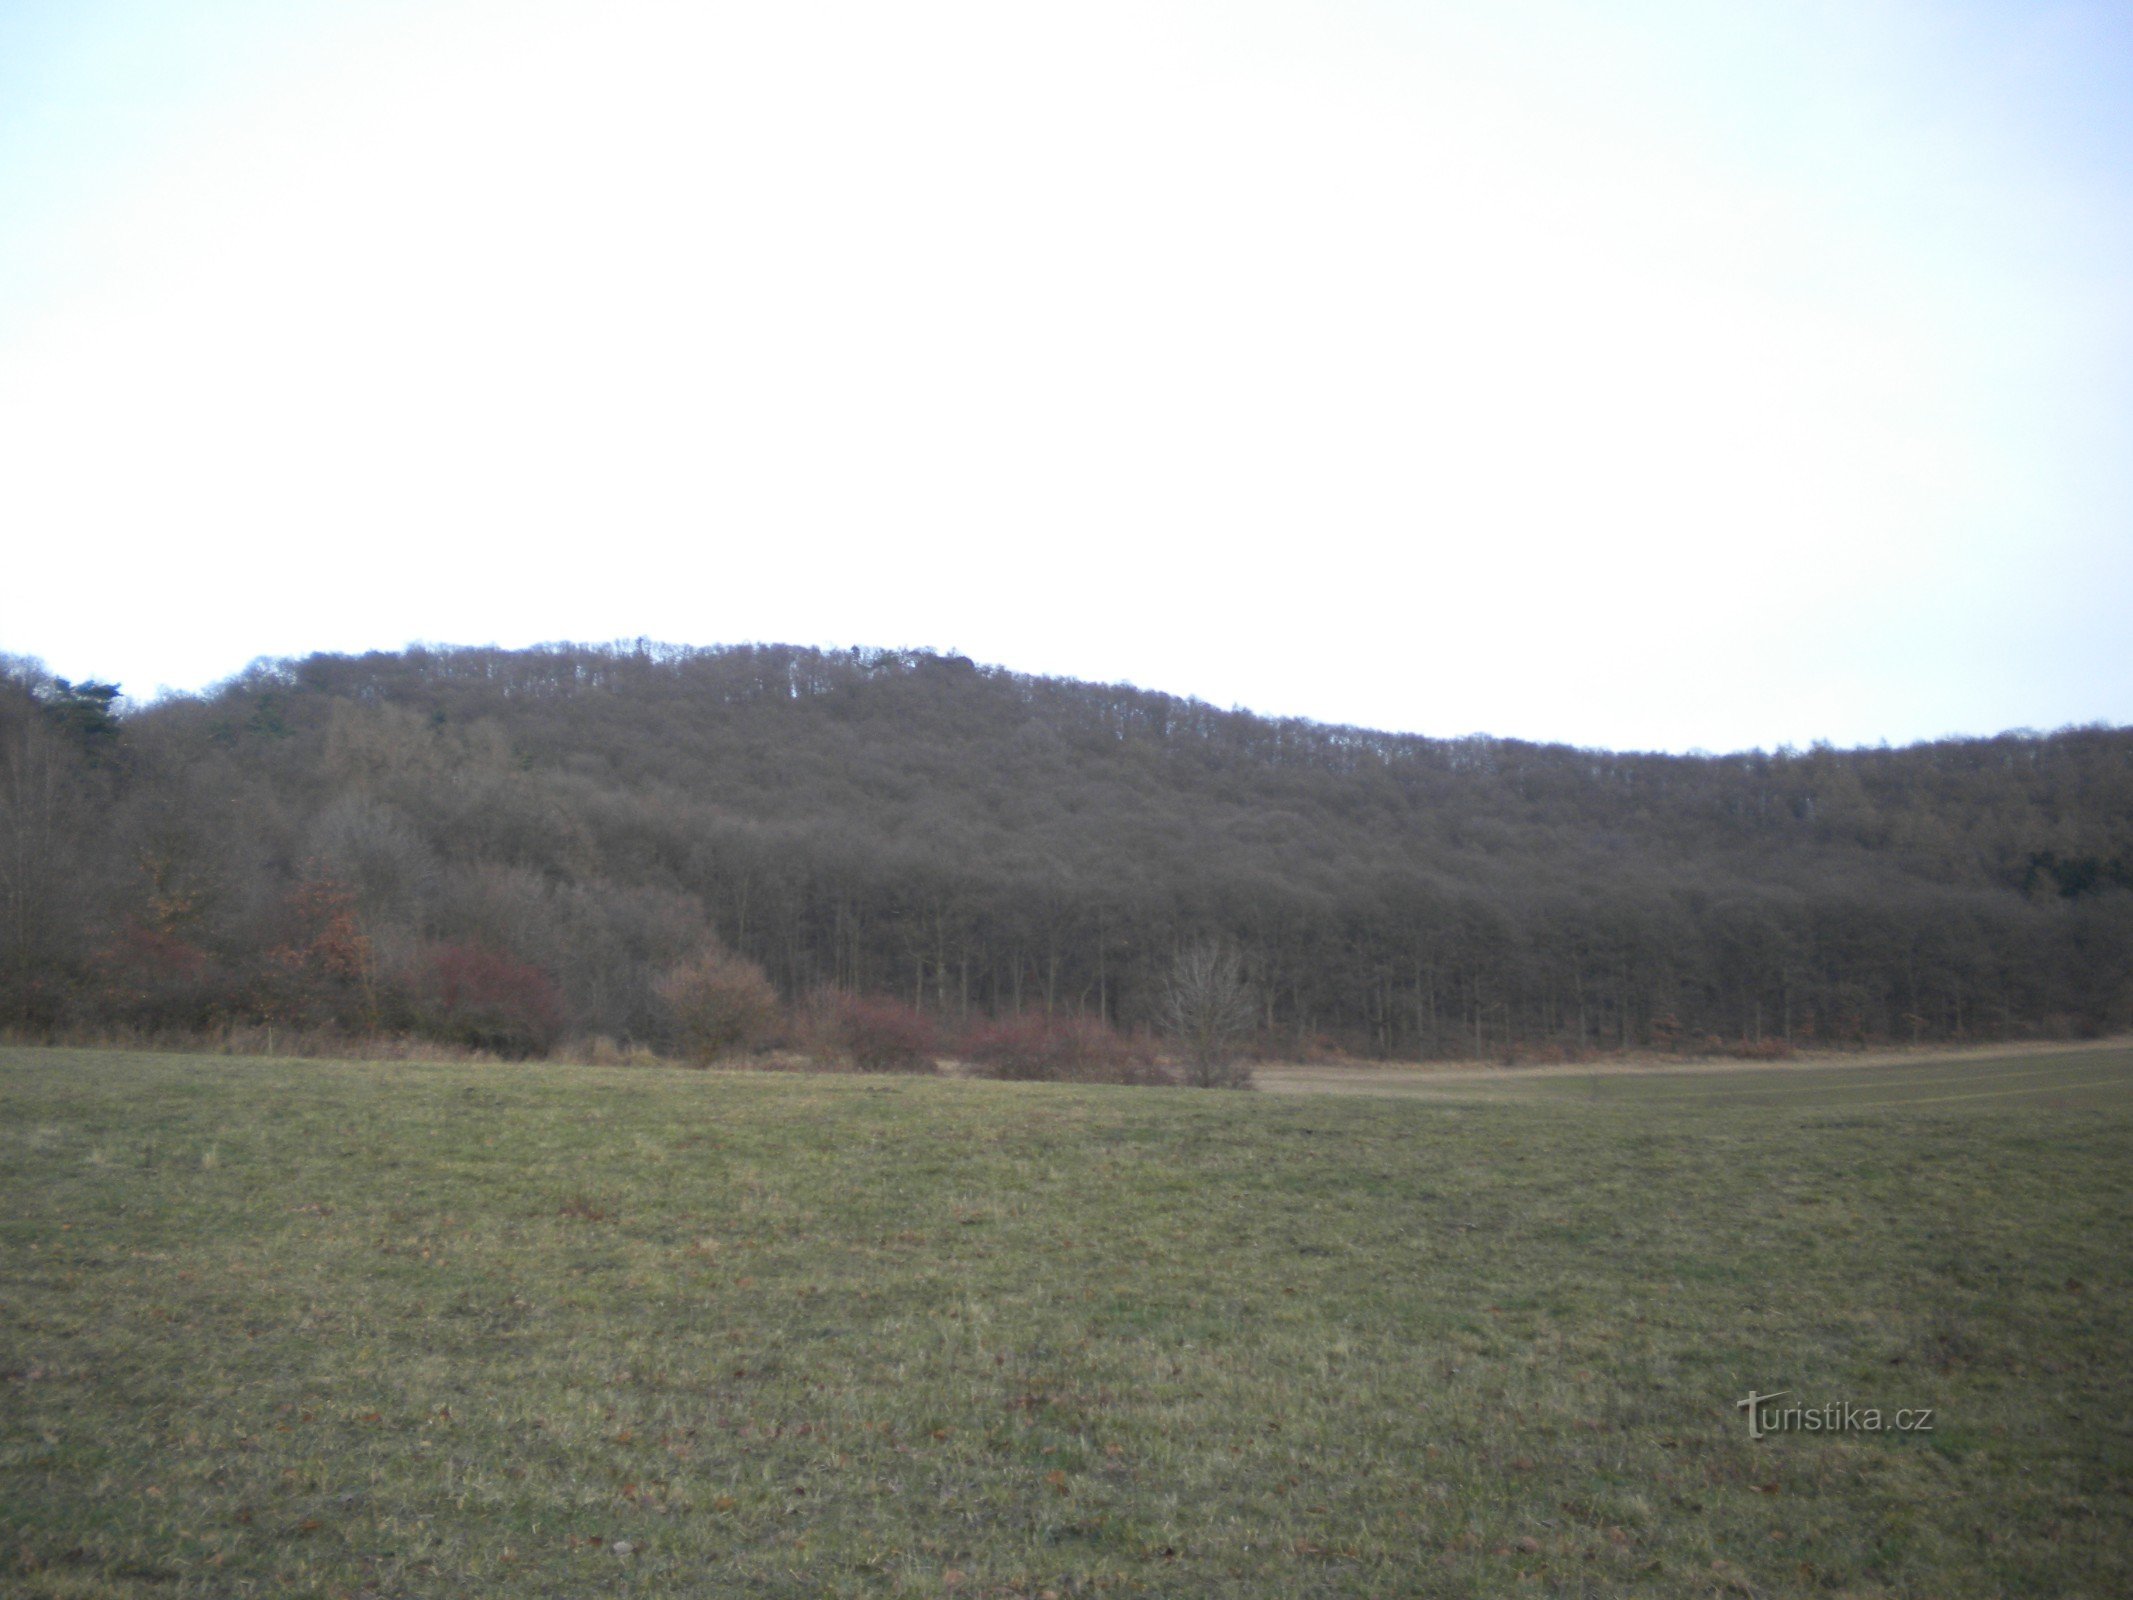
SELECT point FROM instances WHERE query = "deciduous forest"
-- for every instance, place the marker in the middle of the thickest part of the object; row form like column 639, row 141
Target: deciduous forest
column 518, row 848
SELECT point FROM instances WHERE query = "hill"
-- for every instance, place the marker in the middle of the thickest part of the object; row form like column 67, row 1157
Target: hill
column 316, row 836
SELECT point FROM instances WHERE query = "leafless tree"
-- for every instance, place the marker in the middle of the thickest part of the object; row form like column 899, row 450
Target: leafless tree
column 1208, row 1010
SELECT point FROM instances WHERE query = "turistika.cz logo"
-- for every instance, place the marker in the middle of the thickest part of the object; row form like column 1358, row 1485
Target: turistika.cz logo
column 1766, row 1417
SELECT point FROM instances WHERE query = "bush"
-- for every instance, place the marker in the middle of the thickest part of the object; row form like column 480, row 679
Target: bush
column 155, row 980
column 324, row 973
column 720, row 1004
column 1035, row 1048
column 485, row 1000
column 883, row 1035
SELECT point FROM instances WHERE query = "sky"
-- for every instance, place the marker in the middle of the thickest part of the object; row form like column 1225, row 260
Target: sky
column 1655, row 375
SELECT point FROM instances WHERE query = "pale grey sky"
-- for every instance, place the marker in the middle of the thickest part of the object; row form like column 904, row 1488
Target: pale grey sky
column 1650, row 374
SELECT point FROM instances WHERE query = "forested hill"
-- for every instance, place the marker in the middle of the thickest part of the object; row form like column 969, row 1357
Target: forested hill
column 983, row 841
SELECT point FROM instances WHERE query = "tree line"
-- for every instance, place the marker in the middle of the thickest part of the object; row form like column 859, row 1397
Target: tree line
column 474, row 841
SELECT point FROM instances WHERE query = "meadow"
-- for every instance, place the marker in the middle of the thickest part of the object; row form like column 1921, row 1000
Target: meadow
column 275, row 1327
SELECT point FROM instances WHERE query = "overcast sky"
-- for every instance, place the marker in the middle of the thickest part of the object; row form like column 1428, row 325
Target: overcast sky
column 1656, row 373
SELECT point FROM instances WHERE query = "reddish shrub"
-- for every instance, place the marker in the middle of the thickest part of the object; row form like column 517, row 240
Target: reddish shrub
column 326, row 934
column 1032, row 1047
column 157, row 980
column 486, row 1000
column 879, row 1035
column 324, row 972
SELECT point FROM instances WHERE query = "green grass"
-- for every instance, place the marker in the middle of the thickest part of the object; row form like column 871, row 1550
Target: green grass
column 292, row 1328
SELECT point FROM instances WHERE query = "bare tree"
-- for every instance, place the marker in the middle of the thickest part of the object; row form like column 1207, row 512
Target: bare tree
column 1209, row 1011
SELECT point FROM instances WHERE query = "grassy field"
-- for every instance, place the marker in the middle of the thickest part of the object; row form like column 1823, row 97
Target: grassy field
column 343, row 1329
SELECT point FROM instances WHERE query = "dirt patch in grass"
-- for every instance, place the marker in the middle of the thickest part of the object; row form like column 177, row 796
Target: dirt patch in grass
column 1394, row 1077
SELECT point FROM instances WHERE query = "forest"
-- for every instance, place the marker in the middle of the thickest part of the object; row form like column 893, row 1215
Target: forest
column 518, row 847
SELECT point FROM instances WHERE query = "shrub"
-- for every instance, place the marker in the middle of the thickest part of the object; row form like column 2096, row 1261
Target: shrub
column 1036, row 1048
column 324, row 972
column 151, row 979
column 720, row 1004
column 878, row 1035
column 486, row 1000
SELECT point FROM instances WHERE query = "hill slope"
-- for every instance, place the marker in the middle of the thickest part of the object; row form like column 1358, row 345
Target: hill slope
column 981, row 840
